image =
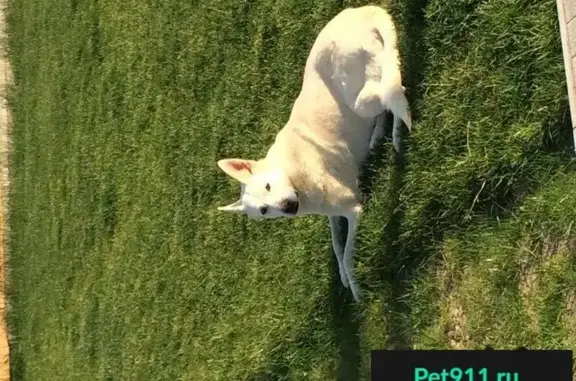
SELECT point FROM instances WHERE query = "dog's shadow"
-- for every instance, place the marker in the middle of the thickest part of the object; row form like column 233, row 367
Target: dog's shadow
column 395, row 276
column 345, row 319
column 345, row 323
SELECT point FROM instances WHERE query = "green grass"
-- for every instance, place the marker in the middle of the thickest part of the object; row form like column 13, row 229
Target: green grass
column 123, row 269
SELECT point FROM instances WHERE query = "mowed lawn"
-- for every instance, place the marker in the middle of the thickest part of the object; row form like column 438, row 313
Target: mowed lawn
column 123, row 269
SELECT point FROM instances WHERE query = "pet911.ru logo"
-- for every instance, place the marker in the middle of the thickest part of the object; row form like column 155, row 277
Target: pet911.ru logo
column 459, row 374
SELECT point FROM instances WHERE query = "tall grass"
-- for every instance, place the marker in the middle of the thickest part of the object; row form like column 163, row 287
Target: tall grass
column 123, row 269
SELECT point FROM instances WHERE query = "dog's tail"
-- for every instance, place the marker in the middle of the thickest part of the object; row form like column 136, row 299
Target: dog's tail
column 391, row 81
column 398, row 104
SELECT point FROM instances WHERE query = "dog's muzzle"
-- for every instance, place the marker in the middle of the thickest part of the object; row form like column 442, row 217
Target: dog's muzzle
column 289, row 206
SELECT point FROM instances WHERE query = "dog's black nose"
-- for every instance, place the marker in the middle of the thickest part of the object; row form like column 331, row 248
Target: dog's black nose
column 289, row 206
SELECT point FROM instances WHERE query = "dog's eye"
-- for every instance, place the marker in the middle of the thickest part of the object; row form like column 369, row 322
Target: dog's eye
column 268, row 187
column 264, row 210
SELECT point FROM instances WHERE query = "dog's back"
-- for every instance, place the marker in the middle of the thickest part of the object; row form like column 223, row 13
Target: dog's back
column 352, row 75
column 364, row 65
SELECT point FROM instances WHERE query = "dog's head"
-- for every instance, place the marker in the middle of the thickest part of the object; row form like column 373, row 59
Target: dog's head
column 266, row 193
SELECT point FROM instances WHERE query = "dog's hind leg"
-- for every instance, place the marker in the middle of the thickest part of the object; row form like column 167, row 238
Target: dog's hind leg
column 397, row 133
column 379, row 131
column 352, row 218
column 338, row 247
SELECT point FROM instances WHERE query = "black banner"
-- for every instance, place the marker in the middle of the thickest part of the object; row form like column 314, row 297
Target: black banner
column 471, row 365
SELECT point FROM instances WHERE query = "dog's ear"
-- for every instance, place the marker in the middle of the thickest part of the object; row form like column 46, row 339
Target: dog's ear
column 238, row 169
column 235, row 207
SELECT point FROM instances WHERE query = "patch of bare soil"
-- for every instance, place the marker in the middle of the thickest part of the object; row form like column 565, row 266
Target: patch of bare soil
column 5, row 78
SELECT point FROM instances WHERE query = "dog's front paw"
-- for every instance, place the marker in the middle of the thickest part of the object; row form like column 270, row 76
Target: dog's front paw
column 356, row 293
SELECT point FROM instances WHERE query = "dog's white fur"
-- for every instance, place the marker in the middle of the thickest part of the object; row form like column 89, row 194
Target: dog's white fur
column 351, row 79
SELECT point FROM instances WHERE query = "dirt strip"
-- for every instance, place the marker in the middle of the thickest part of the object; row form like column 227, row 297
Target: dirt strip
column 5, row 80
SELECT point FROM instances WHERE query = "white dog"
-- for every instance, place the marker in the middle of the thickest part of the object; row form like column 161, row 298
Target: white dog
column 351, row 79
